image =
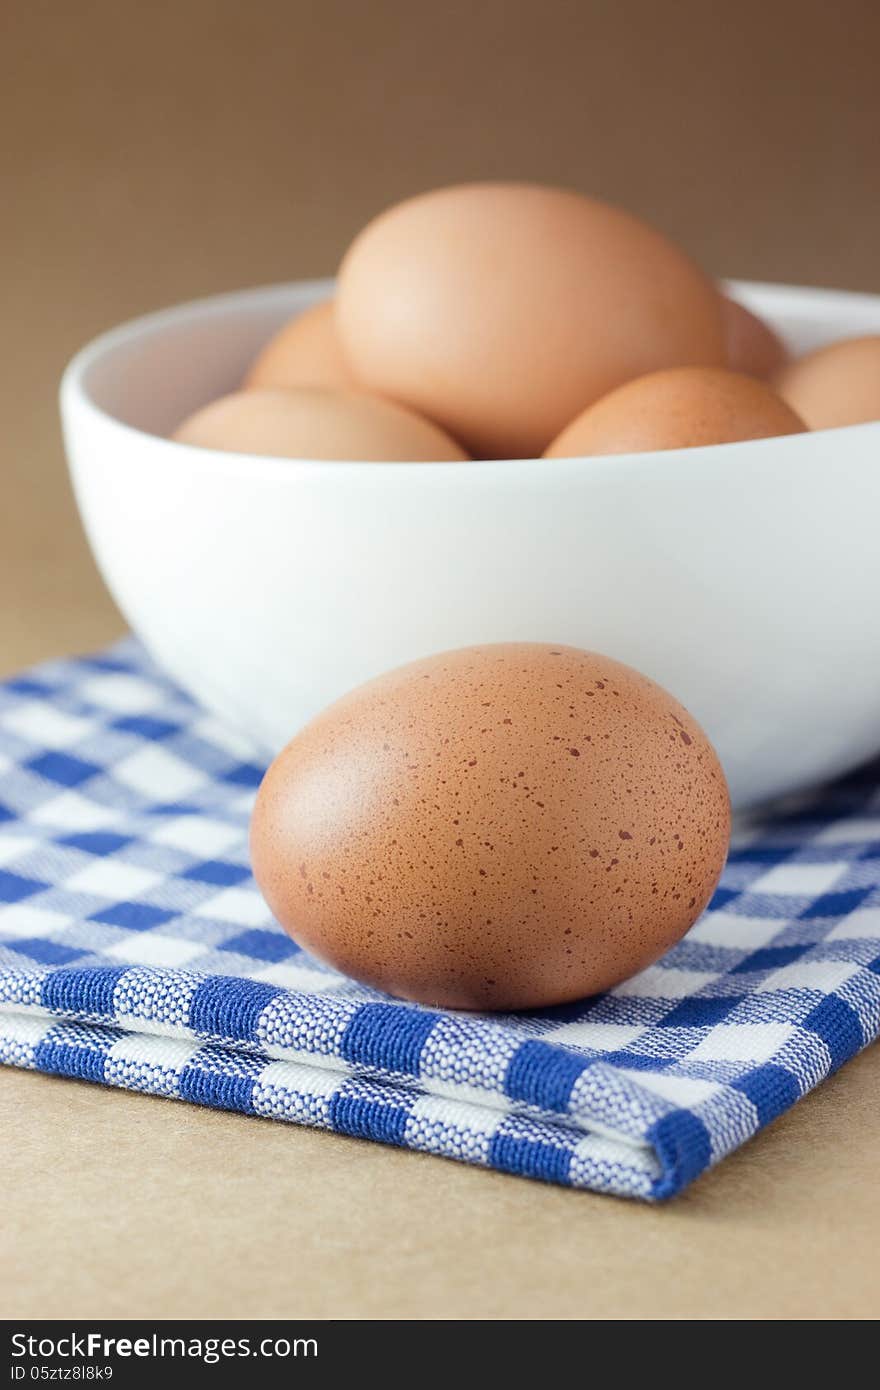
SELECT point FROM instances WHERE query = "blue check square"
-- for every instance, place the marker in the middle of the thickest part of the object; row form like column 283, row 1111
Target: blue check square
column 133, row 916
column 63, row 768
column 218, row 872
column 270, row 946
column 100, row 842
column 45, row 952
column 14, row 887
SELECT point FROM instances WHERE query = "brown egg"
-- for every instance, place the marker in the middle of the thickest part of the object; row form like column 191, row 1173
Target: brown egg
column 501, row 310
column 752, row 346
column 836, row 385
column 305, row 352
column 499, row 827
column 678, row 409
column 311, row 423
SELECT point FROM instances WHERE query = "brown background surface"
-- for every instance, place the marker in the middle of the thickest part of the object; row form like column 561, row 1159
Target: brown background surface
column 156, row 153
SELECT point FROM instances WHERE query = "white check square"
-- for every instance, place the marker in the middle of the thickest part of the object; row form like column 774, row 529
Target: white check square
column 607, row 1148
column 735, row 932
column 239, row 905
column 152, row 948
column 681, row 1090
column 23, row 921
column 300, row 1080
column 26, row 1030
column 121, row 693
column 46, row 726
column 14, row 847
column 742, row 1042
column 70, row 811
column 799, row 880
column 823, row 976
column 292, row 976
column 659, row 982
column 148, row 1050
column 109, row 878
column 601, row 1037
column 148, row 1063
column 301, row 1093
column 457, row 1114
column 220, row 734
column 861, row 925
column 158, row 774
column 198, row 835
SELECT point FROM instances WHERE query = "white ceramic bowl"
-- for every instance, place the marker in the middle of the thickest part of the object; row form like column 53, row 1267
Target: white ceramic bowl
column 745, row 577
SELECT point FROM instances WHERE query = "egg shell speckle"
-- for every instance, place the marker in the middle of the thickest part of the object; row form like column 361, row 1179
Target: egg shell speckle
column 507, row 826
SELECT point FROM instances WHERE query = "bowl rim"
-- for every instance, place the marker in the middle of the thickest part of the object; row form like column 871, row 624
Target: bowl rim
column 75, row 396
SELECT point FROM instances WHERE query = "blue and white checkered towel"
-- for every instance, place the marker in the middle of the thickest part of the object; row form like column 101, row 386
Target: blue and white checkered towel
column 135, row 950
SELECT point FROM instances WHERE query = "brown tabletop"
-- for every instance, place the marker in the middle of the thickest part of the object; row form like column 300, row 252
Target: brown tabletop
column 155, row 157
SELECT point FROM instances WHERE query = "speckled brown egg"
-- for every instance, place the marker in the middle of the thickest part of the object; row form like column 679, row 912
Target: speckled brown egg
column 678, row 409
column 508, row 826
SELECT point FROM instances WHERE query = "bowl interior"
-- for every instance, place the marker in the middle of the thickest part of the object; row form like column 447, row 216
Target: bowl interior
column 151, row 373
